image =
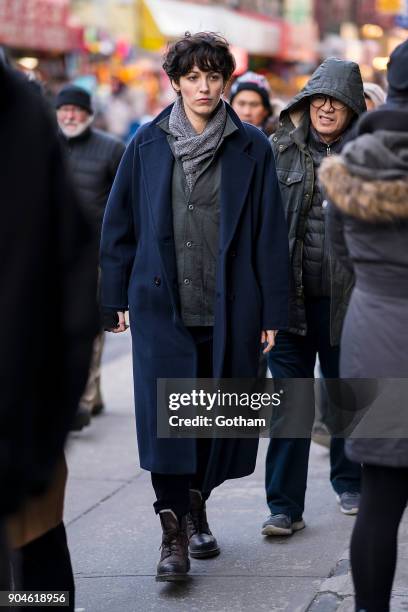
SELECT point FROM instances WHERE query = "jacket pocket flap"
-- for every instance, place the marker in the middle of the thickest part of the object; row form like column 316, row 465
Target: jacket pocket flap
column 288, row 177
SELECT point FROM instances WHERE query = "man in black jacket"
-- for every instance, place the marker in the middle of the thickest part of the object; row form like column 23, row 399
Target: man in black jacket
column 315, row 124
column 94, row 157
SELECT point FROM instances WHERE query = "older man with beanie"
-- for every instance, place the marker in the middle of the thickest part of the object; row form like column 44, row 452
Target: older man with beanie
column 94, row 157
column 314, row 125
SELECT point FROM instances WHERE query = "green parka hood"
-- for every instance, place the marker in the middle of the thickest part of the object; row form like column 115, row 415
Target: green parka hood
column 340, row 79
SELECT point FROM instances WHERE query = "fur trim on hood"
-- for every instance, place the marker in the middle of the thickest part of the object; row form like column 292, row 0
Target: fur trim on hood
column 374, row 201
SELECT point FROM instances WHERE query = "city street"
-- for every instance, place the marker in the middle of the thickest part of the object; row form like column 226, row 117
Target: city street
column 114, row 535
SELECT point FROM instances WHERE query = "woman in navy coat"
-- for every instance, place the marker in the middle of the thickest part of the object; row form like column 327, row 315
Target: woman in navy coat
column 194, row 245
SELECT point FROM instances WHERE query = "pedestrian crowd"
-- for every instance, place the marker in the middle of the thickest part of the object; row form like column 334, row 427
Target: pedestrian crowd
column 231, row 236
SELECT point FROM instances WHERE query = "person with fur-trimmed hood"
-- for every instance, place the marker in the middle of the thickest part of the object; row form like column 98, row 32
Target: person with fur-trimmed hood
column 368, row 226
column 314, row 125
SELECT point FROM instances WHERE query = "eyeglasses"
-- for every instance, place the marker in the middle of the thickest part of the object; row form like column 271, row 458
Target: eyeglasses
column 319, row 101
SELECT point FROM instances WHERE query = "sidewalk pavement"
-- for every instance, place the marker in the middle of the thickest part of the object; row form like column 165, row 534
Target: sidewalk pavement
column 114, row 536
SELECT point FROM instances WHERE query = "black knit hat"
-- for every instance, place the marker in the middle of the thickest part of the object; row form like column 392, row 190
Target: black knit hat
column 398, row 76
column 71, row 94
column 251, row 81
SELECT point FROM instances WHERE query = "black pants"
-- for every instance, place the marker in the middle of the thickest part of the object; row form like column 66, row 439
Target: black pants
column 172, row 490
column 45, row 565
column 373, row 550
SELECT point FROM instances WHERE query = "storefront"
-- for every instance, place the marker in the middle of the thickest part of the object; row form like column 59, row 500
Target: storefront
column 38, row 34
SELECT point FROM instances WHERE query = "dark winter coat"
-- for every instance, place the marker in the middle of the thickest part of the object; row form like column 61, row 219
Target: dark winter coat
column 139, row 273
column 369, row 233
column 94, row 157
column 47, row 302
column 295, row 169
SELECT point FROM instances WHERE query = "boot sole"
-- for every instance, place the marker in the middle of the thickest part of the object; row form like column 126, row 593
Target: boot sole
column 207, row 554
column 172, row 578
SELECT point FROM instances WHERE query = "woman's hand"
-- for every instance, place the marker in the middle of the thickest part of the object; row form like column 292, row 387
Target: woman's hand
column 268, row 335
column 121, row 327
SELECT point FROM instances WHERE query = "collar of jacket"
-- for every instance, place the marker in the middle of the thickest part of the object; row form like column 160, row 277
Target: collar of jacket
column 293, row 129
column 81, row 137
column 239, row 135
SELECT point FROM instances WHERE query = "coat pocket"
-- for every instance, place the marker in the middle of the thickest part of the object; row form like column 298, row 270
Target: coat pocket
column 290, row 183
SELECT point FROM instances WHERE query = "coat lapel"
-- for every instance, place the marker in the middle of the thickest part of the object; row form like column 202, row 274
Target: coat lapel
column 237, row 170
column 157, row 164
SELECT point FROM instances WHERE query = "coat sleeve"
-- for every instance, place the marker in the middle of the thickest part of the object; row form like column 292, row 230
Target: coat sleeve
column 335, row 227
column 272, row 251
column 118, row 241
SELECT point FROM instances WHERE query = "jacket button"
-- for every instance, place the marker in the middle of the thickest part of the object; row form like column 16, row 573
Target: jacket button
column 281, row 147
column 275, row 139
column 189, row 244
column 157, row 281
column 186, row 281
column 191, row 207
column 306, row 196
column 288, row 179
column 324, row 203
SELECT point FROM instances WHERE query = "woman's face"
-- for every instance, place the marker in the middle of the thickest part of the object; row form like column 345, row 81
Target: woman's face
column 201, row 91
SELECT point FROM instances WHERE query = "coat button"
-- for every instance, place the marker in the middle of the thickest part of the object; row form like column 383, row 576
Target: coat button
column 189, row 244
column 281, row 147
column 157, row 281
column 288, row 179
column 275, row 139
column 186, row 281
column 191, row 207
column 324, row 203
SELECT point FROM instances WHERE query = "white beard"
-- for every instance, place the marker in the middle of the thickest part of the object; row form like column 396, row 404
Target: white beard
column 71, row 132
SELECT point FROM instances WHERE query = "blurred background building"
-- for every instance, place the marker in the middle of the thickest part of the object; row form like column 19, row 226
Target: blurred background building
column 114, row 47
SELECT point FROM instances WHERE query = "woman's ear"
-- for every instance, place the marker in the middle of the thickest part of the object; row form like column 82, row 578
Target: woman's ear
column 175, row 86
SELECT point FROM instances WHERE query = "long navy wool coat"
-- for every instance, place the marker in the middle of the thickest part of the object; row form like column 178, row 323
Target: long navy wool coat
column 139, row 273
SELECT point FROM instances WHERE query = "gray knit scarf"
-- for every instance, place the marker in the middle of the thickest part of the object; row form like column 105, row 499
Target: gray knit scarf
column 191, row 148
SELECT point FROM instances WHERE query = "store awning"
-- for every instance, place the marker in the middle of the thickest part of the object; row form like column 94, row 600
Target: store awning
column 258, row 36
column 37, row 24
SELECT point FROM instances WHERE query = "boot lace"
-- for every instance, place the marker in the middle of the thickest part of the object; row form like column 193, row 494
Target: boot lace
column 197, row 522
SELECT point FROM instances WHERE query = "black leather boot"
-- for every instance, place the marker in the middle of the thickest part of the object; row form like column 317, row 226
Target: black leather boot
column 201, row 542
column 174, row 562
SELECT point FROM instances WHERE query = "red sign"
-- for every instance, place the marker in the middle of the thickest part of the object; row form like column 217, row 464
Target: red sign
column 36, row 24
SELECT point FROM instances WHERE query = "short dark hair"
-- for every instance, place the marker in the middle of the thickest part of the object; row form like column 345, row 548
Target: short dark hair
column 206, row 50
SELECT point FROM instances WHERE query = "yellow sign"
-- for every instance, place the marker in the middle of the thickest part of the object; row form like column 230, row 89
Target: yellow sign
column 391, row 7
column 150, row 37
